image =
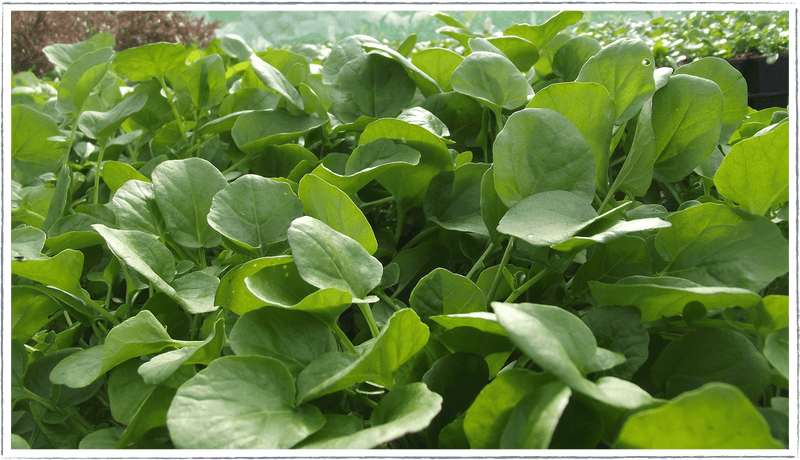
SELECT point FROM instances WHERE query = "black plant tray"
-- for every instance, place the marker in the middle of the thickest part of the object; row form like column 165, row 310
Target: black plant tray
column 767, row 84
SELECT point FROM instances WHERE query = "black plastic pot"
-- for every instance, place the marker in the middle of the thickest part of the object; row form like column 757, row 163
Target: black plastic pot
column 767, row 84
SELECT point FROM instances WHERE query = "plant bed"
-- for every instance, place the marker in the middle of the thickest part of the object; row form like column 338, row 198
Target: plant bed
column 767, row 84
column 534, row 241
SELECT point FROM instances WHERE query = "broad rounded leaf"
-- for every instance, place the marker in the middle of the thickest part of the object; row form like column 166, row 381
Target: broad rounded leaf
column 260, row 408
column 254, row 210
column 755, row 173
column 493, row 80
column 438, row 63
column 203, row 83
column 625, row 68
column 534, row 420
column 687, row 119
column 716, row 416
column 542, row 34
column 274, row 80
column 30, row 131
column 547, row 218
column 148, row 61
column 255, row 130
column 539, row 150
column 184, row 190
column 326, row 258
column 453, row 199
column 442, row 292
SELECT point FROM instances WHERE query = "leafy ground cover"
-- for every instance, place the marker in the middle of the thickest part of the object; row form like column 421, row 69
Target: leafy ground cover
column 539, row 242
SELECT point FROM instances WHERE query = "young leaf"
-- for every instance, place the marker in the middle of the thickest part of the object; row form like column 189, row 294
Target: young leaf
column 275, row 81
column 403, row 336
column 441, row 292
column 453, row 199
column 326, row 258
column 102, row 125
column 439, row 64
column 533, row 422
column 260, row 408
column 625, row 68
column 539, row 150
column 135, row 208
column 493, row 80
column 371, row 85
column 184, row 190
column 31, row 310
column 163, row 366
column 62, row 271
column 332, row 206
column 755, row 174
column 572, row 55
column 80, row 79
column 255, row 130
column 254, row 211
column 148, row 61
column 542, row 34
column 636, row 174
column 203, row 83
column 547, row 218
column 31, row 148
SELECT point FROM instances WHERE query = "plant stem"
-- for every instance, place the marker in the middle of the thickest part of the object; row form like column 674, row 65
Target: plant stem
column 544, row 272
column 97, row 172
column 367, row 312
column 107, row 315
column 499, row 274
column 382, row 295
column 674, row 193
column 346, row 343
column 479, row 262
column 425, row 232
column 379, row 202
column 401, row 214
column 174, row 110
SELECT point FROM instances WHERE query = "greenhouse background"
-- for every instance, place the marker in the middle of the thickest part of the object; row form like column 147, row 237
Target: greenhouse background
column 274, row 28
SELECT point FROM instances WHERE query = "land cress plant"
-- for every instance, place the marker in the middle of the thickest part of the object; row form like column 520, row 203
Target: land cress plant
column 230, row 249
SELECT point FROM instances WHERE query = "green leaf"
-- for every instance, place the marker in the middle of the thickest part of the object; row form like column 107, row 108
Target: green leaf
column 733, row 86
column 453, row 199
column 103, row 125
column 344, row 51
column 636, row 174
column 716, row 245
column 127, row 391
column 458, row 378
column 687, row 119
column 275, row 281
column 30, row 144
column 518, row 50
column 439, row 64
column 116, row 174
column 403, row 336
column 137, row 336
column 275, row 81
column 31, row 310
column 235, row 46
column 493, row 80
column 539, row 150
column 442, row 292
column 332, row 206
column 427, row 86
column 572, row 55
column 367, row 162
column 148, row 61
column 542, row 34
column 105, row 438
column 140, row 251
column 619, row 329
column 151, row 415
column 589, row 107
column 203, row 83
column 625, row 68
column 294, row 338
column 554, row 339
column 184, row 190
column 612, row 261
column 80, row 79
column 163, row 366
column 533, row 422
column 62, row 271
column 773, row 314
column 260, row 408
column 255, row 130
column 63, row 55
column 27, row 242
column 406, row 409
column 135, row 208
column 254, row 211
column 666, row 296
column 547, row 218
column 776, row 349
column 482, row 321
column 245, row 99
column 712, row 355
column 488, row 416
column 755, row 173
column 716, row 416
column 371, row 85
column 326, row 258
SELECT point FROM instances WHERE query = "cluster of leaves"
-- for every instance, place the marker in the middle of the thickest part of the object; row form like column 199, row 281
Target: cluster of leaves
column 540, row 242
column 725, row 34
column 31, row 31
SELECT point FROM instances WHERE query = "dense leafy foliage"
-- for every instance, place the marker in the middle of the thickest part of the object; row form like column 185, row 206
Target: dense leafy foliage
column 723, row 34
column 539, row 242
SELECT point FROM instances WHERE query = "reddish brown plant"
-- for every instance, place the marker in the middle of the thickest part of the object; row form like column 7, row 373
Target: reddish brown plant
column 33, row 30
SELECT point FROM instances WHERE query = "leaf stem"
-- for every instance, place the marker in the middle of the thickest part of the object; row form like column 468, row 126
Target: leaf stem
column 97, row 172
column 174, row 110
column 499, row 274
column 673, row 192
column 401, row 214
column 479, row 262
column 99, row 309
column 346, row 343
column 367, row 312
column 379, row 202
column 544, row 272
column 425, row 232
column 382, row 295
